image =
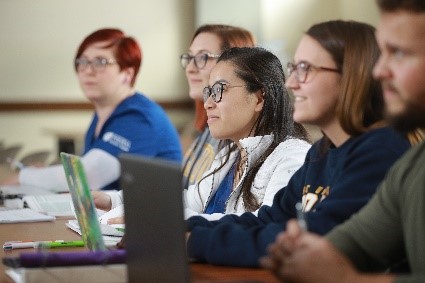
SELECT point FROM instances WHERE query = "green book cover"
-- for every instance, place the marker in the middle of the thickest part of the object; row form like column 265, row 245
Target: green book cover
column 83, row 202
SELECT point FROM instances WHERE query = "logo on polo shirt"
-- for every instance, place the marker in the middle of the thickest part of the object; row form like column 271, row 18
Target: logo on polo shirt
column 117, row 140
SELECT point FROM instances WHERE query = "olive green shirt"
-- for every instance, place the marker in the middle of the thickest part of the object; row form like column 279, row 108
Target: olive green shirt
column 392, row 225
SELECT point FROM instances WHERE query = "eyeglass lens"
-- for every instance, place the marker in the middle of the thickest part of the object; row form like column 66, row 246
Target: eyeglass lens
column 200, row 60
column 99, row 63
column 215, row 92
column 300, row 69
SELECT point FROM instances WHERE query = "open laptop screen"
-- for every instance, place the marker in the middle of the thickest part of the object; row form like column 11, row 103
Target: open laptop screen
column 155, row 226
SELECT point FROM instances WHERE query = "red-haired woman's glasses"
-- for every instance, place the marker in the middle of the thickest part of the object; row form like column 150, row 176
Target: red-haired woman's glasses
column 302, row 68
column 98, row 64
column 200, row 60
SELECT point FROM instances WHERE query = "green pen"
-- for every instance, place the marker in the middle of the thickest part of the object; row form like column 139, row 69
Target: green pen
column 61, row 243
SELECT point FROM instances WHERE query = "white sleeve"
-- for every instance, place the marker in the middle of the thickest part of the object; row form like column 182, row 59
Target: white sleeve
column 291, row 156
column 116, row 198
column 52, row 177
column 101, row 168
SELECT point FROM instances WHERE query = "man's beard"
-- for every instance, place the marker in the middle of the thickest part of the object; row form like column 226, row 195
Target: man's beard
column 411, row 118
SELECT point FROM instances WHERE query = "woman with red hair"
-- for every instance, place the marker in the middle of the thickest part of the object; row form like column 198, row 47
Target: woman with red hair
column 124, row 121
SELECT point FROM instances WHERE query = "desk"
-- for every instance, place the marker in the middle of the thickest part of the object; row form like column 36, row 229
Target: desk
column 57, row 230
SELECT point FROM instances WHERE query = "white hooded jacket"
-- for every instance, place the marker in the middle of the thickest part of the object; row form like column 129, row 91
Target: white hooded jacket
column 272, row 176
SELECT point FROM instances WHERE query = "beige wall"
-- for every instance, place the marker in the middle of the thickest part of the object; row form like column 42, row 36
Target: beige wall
column 279, row 24
column 39, row 39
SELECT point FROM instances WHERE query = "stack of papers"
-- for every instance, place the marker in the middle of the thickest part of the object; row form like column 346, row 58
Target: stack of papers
column 6, row 190
column 52, row 204
column 8, row 215
column 39, row 199
column 112, row 234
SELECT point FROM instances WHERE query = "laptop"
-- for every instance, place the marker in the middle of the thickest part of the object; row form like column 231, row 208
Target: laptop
column 155, row 226
column 83, row 202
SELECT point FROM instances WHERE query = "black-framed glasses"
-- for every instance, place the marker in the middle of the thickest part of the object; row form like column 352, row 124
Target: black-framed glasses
column 200, row 59
column 216, row 91
column 302, row 68
column 98, row 64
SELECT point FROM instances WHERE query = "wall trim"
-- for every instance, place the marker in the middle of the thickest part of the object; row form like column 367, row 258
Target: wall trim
column 61, row 106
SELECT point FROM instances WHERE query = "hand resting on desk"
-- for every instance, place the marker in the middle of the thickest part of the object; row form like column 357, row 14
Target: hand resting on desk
column 102, row 200
column 113, row 216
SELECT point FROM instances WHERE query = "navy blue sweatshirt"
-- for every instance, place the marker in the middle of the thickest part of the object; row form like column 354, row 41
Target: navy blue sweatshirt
column 333, row 186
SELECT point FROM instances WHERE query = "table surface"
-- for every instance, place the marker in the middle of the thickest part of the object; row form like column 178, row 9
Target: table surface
column 56, row 230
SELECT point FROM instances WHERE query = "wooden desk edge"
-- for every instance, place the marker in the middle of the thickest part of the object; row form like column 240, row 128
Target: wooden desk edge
column 57, row 230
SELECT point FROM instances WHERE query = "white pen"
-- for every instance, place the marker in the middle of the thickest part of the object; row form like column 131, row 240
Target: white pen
column 301, row 216
column 20, row 245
